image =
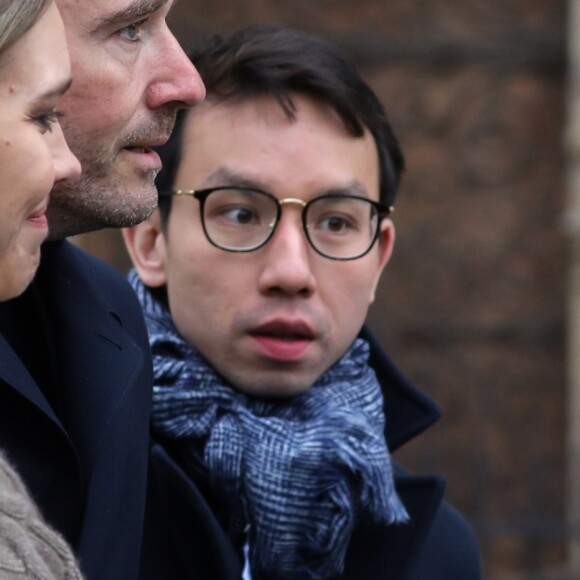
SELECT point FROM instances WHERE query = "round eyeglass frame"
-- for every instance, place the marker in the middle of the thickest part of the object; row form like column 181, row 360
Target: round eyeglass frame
column 383, row 211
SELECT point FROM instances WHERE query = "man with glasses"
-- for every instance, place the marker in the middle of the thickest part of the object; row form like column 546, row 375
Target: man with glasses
column 255, row 277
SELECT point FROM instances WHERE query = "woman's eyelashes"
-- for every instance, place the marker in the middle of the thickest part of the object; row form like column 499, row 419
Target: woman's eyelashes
column 46, row 119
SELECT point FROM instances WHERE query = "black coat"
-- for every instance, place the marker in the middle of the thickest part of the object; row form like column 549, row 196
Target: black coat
column 84, row 455
column 82, row 444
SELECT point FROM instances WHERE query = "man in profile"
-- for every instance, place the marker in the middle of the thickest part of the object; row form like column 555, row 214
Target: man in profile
column 75, row 370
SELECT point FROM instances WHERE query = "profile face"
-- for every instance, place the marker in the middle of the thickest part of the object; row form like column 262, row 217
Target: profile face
column 34, row 72
column 271, row 320
column 130, row 77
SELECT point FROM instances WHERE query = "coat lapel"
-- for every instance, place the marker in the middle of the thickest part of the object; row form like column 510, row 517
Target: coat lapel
column 14, row 373
column 392, row 552
column 97, row 362
column 103, row 397
column 409, row 412
column 183, row 538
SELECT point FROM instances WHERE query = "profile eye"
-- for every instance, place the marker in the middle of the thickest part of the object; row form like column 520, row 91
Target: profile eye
column 46, row 120
column 133, row 31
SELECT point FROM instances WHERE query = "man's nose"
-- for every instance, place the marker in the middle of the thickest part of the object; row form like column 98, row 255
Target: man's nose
column 287, row 259
column 176, row 80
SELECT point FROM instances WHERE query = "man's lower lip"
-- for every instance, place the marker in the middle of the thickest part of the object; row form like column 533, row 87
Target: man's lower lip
column 146, row 156
column 281, row 349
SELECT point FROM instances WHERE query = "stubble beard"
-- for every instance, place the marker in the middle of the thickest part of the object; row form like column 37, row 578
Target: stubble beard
column 106, row 195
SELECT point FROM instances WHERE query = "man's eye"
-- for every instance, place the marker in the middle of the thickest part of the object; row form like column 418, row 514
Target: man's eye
column 239, row 215
column 133, row 32
column 336, row 224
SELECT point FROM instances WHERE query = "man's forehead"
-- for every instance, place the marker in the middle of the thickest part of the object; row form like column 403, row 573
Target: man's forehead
column 112, row 11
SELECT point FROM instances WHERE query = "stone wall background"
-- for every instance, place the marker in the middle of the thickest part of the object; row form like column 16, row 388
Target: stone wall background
column 472, row 306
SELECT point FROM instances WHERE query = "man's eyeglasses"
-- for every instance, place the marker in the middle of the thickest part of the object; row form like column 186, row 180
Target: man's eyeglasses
column 241, row 219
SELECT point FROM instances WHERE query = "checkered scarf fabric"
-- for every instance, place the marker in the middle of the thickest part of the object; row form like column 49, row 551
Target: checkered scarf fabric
column 296, row 473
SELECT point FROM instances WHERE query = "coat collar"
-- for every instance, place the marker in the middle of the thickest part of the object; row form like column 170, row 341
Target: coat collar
column 397, row 548
column 409, row 412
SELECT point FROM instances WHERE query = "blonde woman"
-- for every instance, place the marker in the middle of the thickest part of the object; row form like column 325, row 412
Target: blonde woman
column 34, row 73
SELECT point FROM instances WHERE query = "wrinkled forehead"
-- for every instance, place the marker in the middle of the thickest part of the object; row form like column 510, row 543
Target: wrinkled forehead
column 101, row 13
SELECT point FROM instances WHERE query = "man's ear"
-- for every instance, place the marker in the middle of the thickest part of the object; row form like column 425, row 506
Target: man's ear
column 146, row 246
column 386, row 244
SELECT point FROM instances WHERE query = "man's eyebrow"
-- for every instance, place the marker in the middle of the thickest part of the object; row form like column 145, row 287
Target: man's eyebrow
column 57, row 90
column 355, row 187
column 137, row 10
column 226, row 176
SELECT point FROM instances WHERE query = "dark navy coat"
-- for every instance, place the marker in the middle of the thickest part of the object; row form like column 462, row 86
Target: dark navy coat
column 81, row 443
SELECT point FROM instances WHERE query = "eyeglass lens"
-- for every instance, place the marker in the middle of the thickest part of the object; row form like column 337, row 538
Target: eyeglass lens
column 336, row 226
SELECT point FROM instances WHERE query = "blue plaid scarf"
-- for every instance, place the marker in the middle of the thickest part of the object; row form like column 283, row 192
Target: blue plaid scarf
column 296, row 473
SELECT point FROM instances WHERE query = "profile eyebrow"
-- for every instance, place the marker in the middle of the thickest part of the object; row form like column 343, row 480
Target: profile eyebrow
column 138, row 10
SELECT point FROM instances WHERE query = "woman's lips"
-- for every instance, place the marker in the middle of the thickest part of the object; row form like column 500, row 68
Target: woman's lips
column 38, row 218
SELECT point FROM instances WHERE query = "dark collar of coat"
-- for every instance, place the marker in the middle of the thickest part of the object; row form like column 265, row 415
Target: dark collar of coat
column 409, row 412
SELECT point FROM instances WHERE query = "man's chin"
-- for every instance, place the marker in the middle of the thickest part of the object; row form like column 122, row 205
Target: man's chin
column 103, row 209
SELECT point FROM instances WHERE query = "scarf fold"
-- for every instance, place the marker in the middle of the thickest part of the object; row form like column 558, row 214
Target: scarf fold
column 297, row 472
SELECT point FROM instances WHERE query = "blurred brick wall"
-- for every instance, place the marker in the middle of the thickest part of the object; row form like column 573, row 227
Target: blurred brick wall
column 472, row 304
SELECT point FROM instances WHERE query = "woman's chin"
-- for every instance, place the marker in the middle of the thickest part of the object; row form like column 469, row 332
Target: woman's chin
column 16, row 279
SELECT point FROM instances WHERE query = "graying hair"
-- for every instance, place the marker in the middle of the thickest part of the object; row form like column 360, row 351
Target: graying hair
column 17, row 17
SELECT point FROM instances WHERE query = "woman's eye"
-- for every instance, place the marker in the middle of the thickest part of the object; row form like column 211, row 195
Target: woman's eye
column 46, row 120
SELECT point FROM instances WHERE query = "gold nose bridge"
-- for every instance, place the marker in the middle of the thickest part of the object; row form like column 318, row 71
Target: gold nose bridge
column 289, row 200
column 292, row 200
column 286, row 201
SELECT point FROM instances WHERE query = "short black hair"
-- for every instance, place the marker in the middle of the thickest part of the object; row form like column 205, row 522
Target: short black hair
column 271, row 61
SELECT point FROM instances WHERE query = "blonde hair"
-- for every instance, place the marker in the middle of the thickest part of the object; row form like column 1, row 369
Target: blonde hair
column 17, row 17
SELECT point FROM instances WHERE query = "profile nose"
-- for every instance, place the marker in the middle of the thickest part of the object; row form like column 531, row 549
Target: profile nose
column 66, row 165
column 177, row 82
column 288, row 268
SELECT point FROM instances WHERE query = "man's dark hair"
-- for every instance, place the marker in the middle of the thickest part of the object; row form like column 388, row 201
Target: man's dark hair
column 277, row 62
